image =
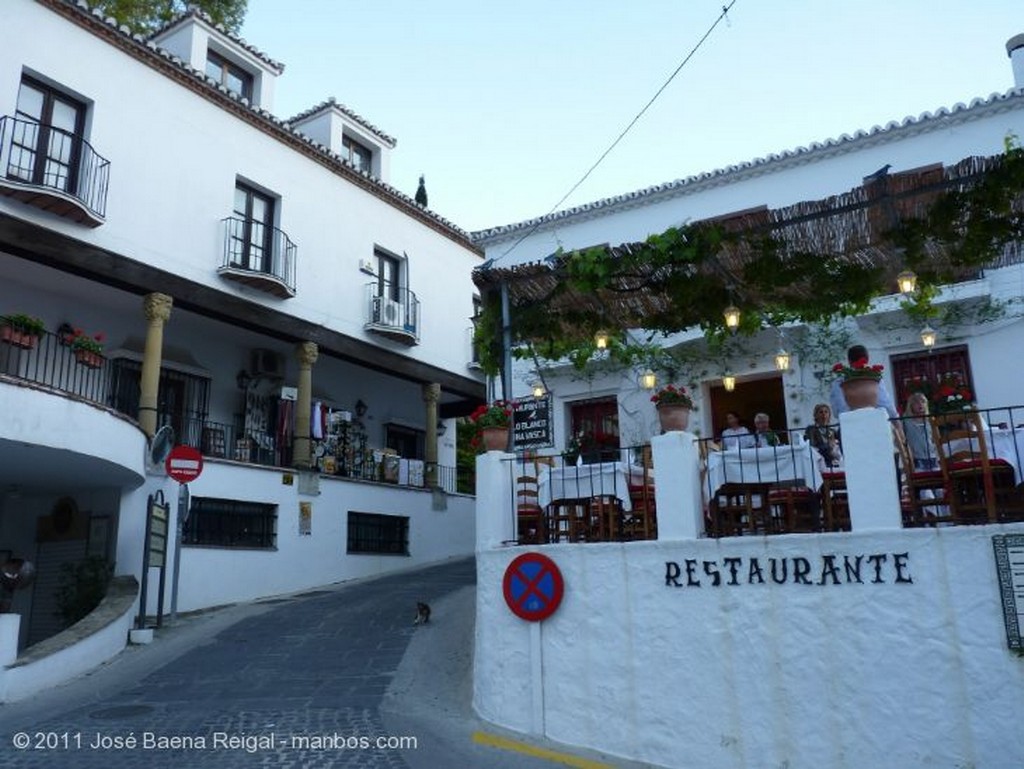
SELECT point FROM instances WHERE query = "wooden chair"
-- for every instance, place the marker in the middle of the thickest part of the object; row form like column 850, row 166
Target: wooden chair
column 923, row 491
column 835, row 501
column 980, row 489
column 569, row 520
column 740, row 508
column 641, row 522
column 529, row 514
column 794, row 509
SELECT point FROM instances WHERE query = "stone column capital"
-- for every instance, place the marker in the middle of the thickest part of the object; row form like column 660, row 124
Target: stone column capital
column 431, row 393
column 157, row 307
column 306, row 353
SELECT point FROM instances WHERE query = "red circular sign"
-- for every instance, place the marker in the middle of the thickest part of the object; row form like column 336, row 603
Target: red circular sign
column 184, row 464
column 533, row 587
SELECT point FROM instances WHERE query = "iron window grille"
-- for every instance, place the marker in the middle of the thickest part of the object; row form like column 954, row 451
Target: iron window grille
column 231, row 523
column 379, row 534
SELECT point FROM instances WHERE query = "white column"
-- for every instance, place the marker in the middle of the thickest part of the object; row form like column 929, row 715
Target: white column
column 871, row 481
column 10, row 625
column 495, row 507
column 677, row 494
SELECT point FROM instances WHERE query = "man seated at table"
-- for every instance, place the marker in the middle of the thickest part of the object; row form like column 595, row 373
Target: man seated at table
column 763, row 434
column 735, row 435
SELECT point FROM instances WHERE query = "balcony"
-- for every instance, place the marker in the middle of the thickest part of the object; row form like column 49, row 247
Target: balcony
column 258, row 256
column 69, row 179
column 392, row 313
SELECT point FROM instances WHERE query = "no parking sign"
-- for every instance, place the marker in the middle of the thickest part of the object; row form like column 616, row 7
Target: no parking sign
column 533, row 587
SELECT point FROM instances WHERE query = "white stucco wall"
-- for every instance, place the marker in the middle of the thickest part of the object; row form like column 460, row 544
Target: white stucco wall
column 856, row 674
column 213, row 576
column 876, row 647
column 183, row 153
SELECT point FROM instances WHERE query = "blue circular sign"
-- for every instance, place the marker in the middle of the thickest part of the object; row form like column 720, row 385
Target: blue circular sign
column 533, row 587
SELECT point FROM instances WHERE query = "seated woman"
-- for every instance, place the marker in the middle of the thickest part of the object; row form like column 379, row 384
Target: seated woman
column 919, row 433
column 823, row 437
column 764, row 435
column 735, row 435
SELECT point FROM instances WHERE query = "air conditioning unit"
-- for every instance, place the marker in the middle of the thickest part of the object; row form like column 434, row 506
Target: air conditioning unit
column 366, row 265
column 386, row 311
column 267, row 363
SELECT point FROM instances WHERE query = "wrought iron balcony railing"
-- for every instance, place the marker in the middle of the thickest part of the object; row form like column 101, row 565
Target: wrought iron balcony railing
column 54, row 170
column 392, row 312
column 258, row 255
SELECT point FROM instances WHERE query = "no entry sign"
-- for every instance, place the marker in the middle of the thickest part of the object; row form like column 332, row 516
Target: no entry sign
column 533, row 587
column 184, row 464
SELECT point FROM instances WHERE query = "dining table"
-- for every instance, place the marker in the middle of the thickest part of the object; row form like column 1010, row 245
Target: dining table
column 1006, row 444
column 769, row 465
column 587, row 481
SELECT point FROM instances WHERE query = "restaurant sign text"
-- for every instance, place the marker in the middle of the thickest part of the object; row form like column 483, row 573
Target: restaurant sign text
column 824, row 569
column 531, row 423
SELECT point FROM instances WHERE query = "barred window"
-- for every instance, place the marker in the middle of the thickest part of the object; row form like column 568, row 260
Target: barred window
column 374, row 533
column 230, row 523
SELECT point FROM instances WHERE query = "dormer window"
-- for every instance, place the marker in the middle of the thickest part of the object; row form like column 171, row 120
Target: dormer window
column 357, row 154
column 229, row 75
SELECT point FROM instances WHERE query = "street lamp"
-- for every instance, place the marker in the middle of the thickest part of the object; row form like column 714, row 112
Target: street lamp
column 601, row 339
column 729, row 382
column 907, row 282
column 782, row 359
column 928, row 337
column 732, row 317
column 648, row 380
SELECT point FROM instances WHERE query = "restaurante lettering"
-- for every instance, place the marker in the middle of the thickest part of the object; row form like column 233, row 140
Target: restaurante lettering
column 879, row 568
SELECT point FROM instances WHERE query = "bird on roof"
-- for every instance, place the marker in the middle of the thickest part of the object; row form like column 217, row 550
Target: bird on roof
column 881, row 173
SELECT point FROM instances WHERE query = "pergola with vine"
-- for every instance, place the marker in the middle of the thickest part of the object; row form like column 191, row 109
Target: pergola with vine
column 810, row 263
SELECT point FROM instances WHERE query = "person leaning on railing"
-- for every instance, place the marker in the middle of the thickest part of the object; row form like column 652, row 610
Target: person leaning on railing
column 823, row 437
column 919, row 433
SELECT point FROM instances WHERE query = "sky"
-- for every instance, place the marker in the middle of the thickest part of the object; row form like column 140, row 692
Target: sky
column 504, row 106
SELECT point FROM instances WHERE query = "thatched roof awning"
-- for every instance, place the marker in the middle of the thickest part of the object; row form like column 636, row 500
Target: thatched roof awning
column 807, row 260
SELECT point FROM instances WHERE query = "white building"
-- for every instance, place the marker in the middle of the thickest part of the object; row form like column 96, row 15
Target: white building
column 259, row 287
column 831, row 167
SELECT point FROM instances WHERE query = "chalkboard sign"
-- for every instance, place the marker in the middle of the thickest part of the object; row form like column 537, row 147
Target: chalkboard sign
column 1009, row 550
column 531, row 424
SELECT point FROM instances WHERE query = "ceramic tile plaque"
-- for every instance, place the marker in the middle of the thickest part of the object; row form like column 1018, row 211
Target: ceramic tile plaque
column 1009, row 550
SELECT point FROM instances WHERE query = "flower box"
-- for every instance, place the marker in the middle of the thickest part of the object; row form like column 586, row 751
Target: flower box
column 89, row 359
column 18, row 338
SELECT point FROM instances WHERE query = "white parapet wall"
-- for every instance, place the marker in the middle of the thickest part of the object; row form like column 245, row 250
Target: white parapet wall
column 876, row 647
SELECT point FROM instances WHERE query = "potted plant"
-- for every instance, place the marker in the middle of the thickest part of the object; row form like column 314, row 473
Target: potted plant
column 492, row 423
column 860, row 382
column 21, row 330
column 674, row 405
column 950, row 400
column 88, row 349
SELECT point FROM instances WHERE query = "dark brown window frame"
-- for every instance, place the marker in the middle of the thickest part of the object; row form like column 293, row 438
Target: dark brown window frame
column 41, row 149
column 227, row 67
column 356, row 149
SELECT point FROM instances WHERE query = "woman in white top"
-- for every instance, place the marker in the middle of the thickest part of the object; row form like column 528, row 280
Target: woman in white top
column 736, row 435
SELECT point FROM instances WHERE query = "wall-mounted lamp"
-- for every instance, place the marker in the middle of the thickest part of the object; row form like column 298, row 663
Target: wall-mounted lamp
column 729, row 382
column 601, row 339
column 928, row 337
column 361, row 408
column 442, row 427
column 732, row 317
column 243, row 379
column 906, row 281
column 782, row 359
column 538, row 389
column 648, row 380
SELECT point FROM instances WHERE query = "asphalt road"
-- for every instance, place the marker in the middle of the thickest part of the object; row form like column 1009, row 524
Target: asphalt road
column 335, row 677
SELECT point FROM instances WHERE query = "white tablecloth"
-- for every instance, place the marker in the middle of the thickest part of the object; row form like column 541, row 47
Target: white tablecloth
column 585, row 481
column 1007, row 445
column 768, row 464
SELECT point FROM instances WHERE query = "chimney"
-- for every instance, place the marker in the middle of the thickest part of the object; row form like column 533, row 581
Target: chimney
column 1015, row 50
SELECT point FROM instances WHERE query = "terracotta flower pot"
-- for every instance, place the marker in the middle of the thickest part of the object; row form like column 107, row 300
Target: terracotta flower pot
column 673, row 417
column 88, row 358
column 17, row 338
column 861, row 392
column 494, row 438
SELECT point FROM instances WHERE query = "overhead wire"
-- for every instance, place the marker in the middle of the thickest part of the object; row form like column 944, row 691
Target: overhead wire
column 622, row 134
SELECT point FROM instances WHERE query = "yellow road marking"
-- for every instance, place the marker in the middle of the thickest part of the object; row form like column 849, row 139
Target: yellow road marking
column 494, row 741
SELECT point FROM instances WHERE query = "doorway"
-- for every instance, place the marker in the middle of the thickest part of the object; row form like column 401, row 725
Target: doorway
column 750, row 397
